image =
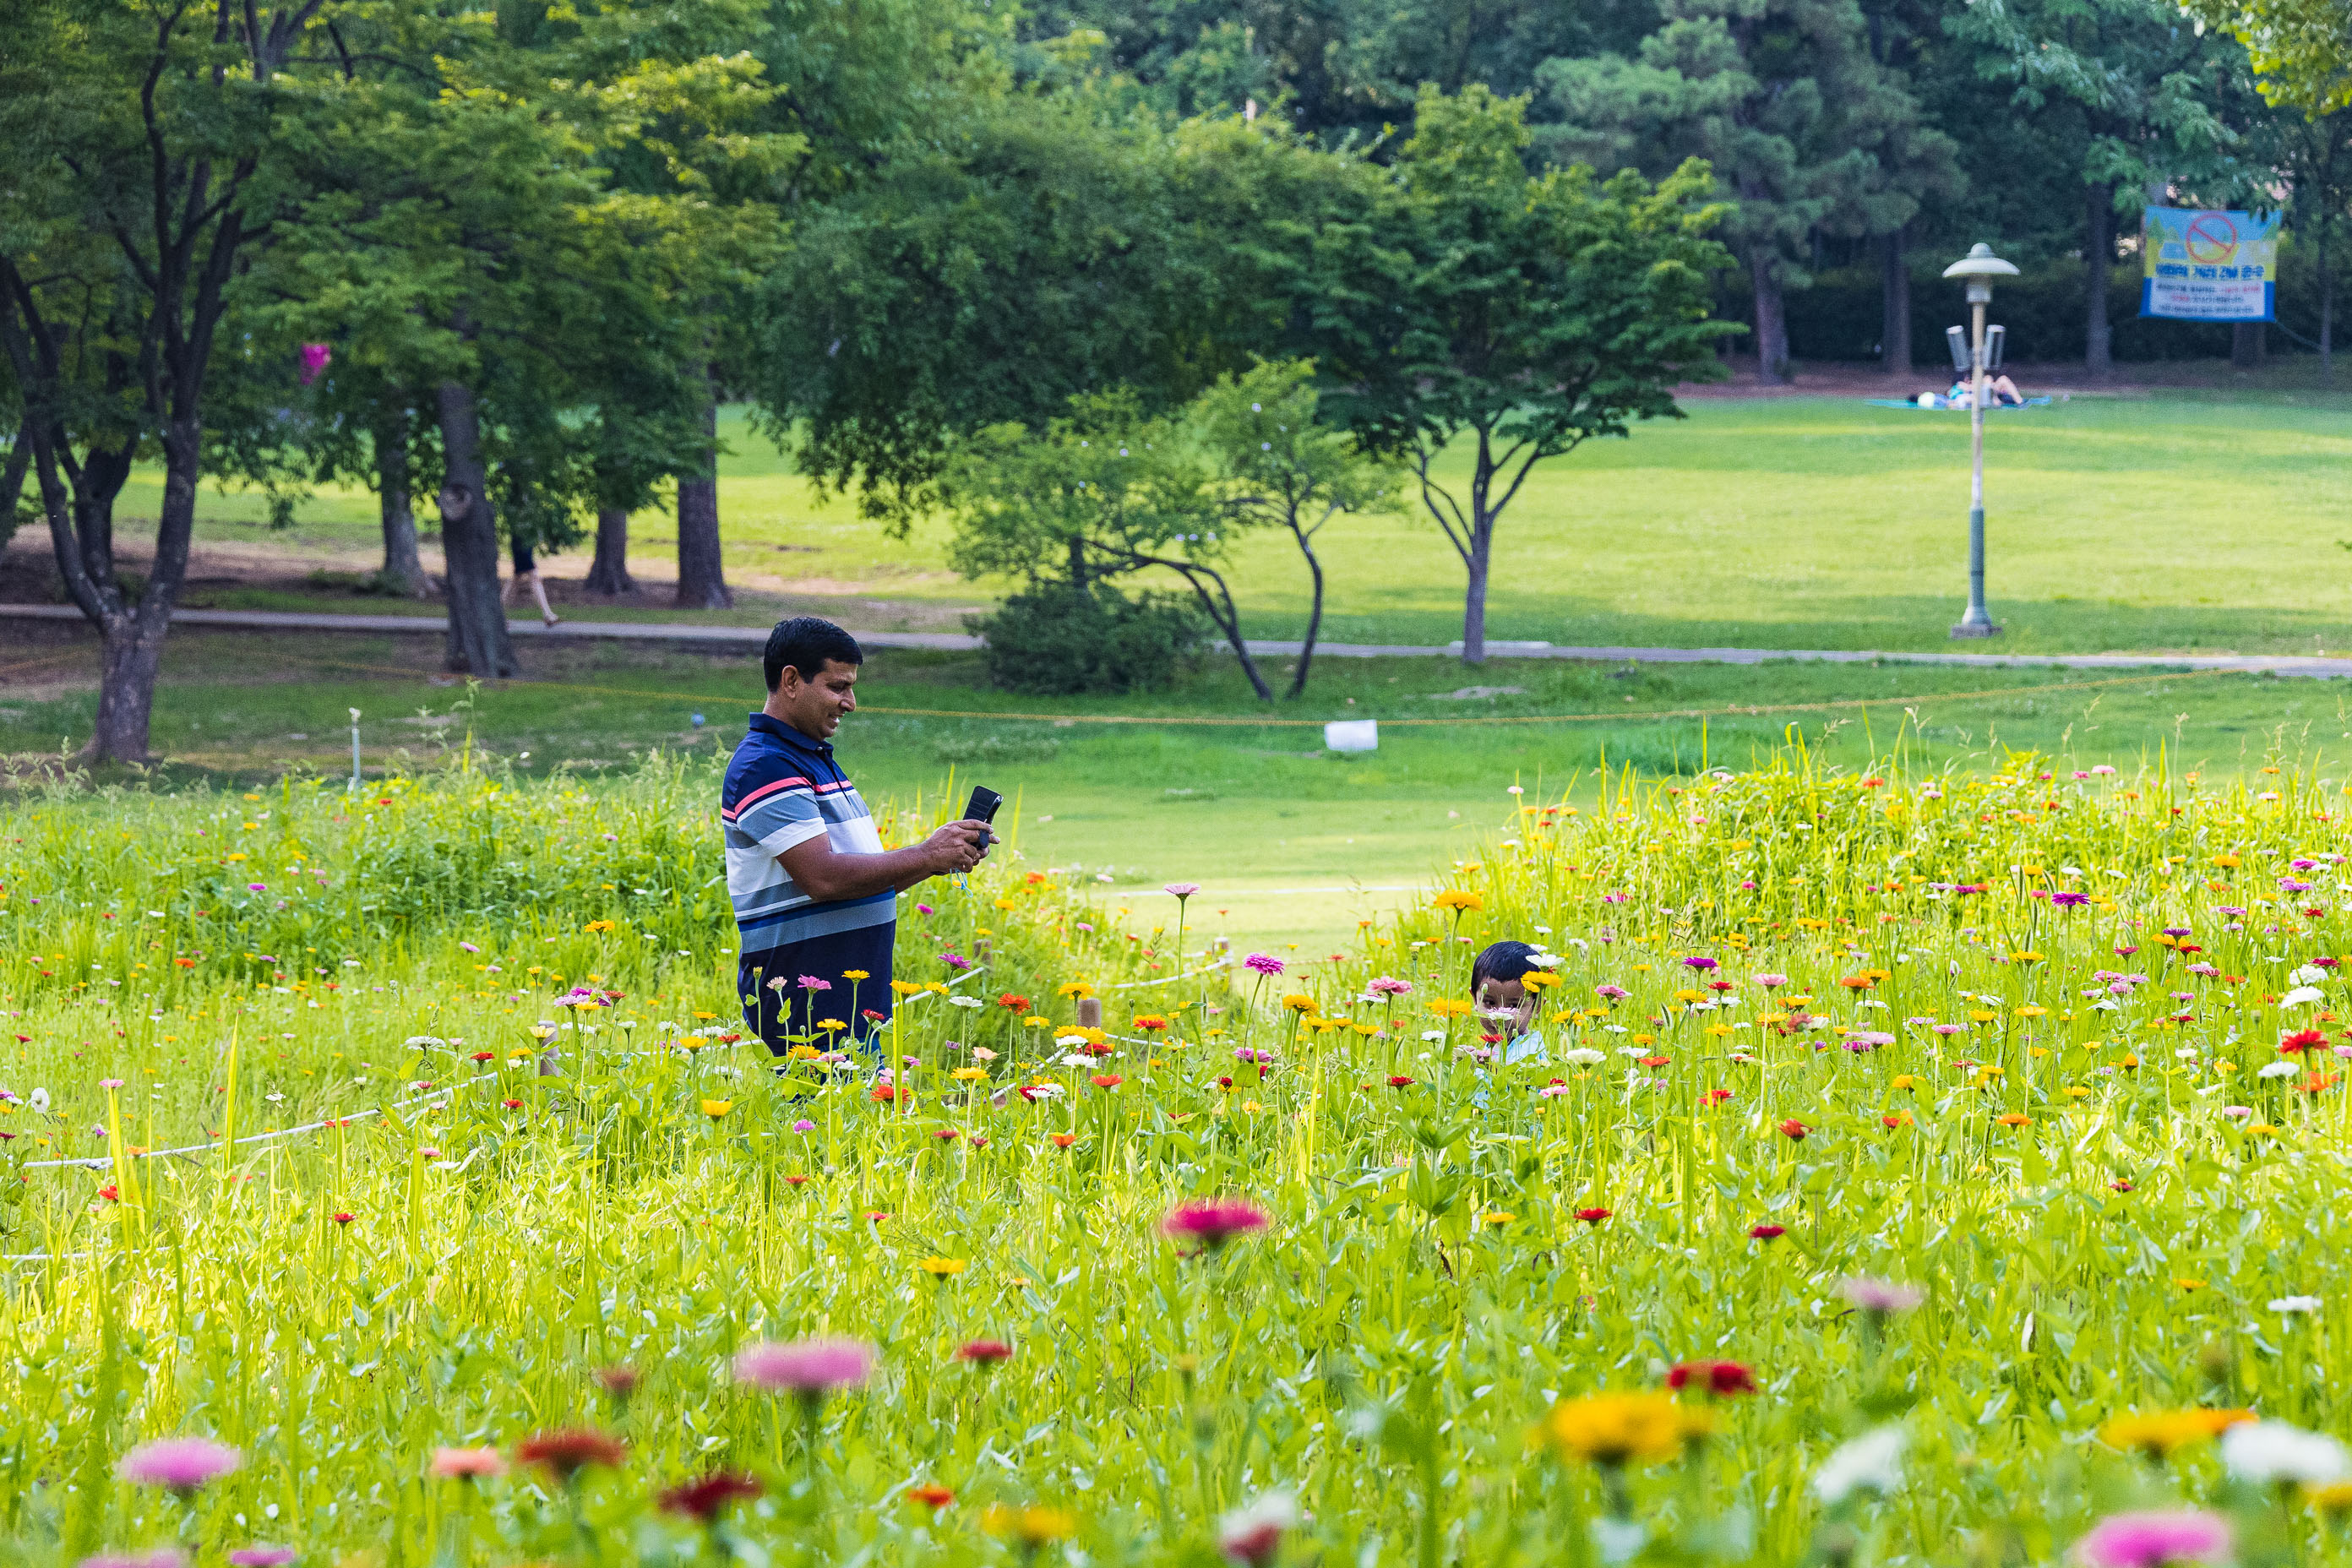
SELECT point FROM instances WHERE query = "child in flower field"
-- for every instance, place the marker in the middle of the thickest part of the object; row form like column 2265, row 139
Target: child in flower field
column 1499, row 988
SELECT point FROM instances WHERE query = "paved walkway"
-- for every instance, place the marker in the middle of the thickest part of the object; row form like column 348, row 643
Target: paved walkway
column 756, row 637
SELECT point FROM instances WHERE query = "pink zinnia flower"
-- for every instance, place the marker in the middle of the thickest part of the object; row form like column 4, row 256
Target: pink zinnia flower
column 1770, row 982
column 1882, row 1295
column 182, row 1464
column 1183, row 890
column 1263, row 964
column 467, row 1464
column 261, row 1557
column 1389, row 985
column 314, row 359
column 156, row 1557
column 1214, row 1221
column 812, row 1368
column 1614, row 993
column 2149, row 1540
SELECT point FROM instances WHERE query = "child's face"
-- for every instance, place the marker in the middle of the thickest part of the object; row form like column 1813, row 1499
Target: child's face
column 1510, row 1006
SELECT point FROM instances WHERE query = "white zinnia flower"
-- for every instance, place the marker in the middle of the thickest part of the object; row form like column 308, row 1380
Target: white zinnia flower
column 2309, row 974
column 2295, row 1304
column 966, row 1001
column 2267, row 1451
column 40, row 1101
column 2302, row 997
column 1583, row 1055
column 2277, row 1069
column 1870, row 1460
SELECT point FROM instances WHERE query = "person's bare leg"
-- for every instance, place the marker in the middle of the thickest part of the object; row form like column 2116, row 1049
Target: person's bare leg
column 539, row 591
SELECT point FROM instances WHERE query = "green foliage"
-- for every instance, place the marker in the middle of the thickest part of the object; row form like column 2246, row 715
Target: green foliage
column 1526, row 313
column 1055, row 638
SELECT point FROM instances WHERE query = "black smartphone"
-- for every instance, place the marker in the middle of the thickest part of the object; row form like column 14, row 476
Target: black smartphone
column 982, row 807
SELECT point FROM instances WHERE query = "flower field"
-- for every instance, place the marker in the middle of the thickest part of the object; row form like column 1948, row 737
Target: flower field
column 1916, row 1169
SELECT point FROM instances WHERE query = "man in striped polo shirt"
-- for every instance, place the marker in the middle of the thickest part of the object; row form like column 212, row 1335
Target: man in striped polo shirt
column 816, row 894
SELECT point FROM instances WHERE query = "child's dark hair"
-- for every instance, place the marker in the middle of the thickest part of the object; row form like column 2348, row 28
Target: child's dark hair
column 1503, row 963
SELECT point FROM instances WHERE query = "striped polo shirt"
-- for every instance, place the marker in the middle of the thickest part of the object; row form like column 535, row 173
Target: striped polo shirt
column 784, row 789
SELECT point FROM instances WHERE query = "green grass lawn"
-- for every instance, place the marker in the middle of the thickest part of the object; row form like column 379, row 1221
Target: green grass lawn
column 2171, row 522
column 1296, row 842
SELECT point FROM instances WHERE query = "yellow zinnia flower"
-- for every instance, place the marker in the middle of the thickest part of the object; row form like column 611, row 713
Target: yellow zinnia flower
column 1614, row 1429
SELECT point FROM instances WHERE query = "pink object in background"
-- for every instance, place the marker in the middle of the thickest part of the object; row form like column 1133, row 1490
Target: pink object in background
column 314, row 359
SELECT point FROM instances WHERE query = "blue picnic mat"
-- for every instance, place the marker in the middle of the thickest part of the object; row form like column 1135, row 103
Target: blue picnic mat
column 1950, row 408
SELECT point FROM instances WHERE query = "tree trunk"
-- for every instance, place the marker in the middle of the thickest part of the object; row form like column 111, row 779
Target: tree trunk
column 1314, row 614
column 12, row 481
column 1474, row 605
column 2327, row 315
column 2098, row 264
column 2246, row 344
column 609, row 573
column 701, row 584
column 478, row 642
column 403, row 570
column 1895, row 327
column 130, row 656
column 1772, row 319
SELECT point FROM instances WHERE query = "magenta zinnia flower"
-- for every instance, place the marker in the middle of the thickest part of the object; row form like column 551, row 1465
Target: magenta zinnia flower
column 1214, row 1221
column 1183, row 890
column 261, row 1557
column 2149, row 1540
column 812, row 1368
column 1263, row 964
column 182, row 1464
column 154, row 1557
column 467, row 1464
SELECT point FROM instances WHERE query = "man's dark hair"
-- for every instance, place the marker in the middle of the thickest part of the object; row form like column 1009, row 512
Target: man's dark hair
column 1502, row 963
column 808, row 643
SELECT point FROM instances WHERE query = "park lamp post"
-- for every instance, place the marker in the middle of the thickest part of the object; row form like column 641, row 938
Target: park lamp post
column 1980, row 267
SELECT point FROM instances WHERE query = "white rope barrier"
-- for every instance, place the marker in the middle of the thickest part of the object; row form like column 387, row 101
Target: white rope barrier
column 106, row 1162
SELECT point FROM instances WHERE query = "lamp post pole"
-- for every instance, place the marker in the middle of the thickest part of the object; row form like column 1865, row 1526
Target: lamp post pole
column 1980, row 267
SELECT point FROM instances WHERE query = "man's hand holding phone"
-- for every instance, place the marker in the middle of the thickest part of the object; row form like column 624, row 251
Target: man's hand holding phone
column 957, row 848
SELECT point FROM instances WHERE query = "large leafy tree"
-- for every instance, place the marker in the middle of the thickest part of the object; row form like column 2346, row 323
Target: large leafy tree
column 1033, row 249
column 2138, row 99
column 473, row 238
column 142, row 138
column 1508, row 316
column 1809, row 131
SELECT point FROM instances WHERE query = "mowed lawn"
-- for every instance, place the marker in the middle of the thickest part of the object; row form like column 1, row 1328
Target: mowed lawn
column 2169, row 521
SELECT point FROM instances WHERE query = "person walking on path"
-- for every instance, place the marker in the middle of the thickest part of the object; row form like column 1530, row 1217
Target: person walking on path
column 816, row 894
column 526, row 573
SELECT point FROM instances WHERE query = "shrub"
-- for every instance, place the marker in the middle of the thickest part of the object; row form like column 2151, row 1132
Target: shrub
column 1057, row 639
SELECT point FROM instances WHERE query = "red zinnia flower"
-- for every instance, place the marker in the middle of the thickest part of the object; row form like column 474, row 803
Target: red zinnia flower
column 886, row 1094
column 511, row 1104
column 1107, row 1080
column 1768, row 1232
column 946, row 1134
column 2303, row 1041
column 704, row 1498
column 1063, row 1139
column 1014, row 1002
column 1719, row 1377
column 796, row 1181
column 1398, row 1080
column 620, row 1381
column 1592, row 1217
column 570, row 1450
column 1717, row 1094
column 930, row 1494
column 1794, row 1129
column 2120, row 1185
column 984, row 1352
